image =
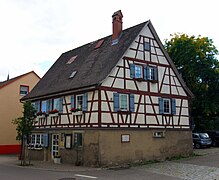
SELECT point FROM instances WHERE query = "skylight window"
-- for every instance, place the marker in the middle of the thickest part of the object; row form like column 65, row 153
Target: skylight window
column 99, row 44
column 73, row 74
column 71, row 60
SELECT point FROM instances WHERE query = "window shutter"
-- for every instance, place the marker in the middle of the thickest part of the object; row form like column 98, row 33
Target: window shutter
column 132, row 103
column 61, row 105
column 116, row 101
column 173, row 106
column 155, row 73
column 132, row 70
column 84, row 103
column 45, row 140
column 161, row 108
column 72, row 101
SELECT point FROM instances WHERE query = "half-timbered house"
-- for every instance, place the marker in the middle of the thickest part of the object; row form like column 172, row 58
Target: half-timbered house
column 118, row 99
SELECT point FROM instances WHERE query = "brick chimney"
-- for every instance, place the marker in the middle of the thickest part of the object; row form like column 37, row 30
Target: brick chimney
column 117, row 26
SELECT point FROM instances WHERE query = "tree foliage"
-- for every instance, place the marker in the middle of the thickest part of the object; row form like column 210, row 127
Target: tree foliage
column 24, row 126
column 25, row 123
column 196, row 60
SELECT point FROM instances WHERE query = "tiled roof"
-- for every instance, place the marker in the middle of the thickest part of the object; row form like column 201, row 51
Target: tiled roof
column 92, row 65
column 7, row 82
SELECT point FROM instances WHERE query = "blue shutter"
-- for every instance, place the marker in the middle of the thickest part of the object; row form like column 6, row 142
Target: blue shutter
column 161, row 108
column 84, row 103
column 132, row 103
column 116, row 101
column 61, row 105
column 132, row 70
column 155, row 73
column 45, row 140
column 173, row 106
column 72, row 101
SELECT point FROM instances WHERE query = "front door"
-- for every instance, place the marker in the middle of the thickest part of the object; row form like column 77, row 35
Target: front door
column 55, row 145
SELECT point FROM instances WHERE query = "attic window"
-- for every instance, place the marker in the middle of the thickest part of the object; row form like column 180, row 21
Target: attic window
column 146, row 46
column 99, row 44
column 71, row 60
column 73, row 74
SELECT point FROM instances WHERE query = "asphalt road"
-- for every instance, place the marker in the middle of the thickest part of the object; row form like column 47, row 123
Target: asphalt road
column 202, row 167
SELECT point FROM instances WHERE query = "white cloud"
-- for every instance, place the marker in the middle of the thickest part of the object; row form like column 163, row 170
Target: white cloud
column 37, row 31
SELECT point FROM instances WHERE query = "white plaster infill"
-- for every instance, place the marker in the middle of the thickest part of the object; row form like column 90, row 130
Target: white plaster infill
column 77, row 113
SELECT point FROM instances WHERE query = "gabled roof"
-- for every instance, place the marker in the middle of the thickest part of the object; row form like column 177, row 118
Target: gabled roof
column 7, row 82
column 92, row 65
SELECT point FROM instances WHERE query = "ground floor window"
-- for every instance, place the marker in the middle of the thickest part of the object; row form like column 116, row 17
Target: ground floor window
column 78, row 141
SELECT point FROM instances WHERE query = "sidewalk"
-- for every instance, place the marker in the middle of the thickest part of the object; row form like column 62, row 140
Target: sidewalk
column 12, row 160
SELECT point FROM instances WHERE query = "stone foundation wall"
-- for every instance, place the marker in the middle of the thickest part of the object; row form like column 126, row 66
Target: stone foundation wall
column 106, row 147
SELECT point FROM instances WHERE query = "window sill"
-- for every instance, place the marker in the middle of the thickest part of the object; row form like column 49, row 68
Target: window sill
column 167, row 114
column 139, row 79
column 77, row 113
column 153, row 81
column 124, row 112
column 54, row 115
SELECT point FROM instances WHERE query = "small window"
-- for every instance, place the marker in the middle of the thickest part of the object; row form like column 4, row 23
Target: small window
column 43, row 107
column 73, row 74
column 78, row 139
column 146, row 46
column 123, row 102
column 24, row 90
column 38, row 139
column 56, row 104
column 166, row 106
column 79, row 101
column 71, row 60
column 33, row 139
column 150, row 73
column 36, row 106
column 138, row 71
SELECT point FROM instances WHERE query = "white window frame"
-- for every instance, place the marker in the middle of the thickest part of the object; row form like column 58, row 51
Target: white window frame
column 34, row 139
column 137, row 68
column 120, row 102
column 43, row 102
column 56, row 103
column 77, row 104
column 164, row 106
column 24, row 92
column 151, row 73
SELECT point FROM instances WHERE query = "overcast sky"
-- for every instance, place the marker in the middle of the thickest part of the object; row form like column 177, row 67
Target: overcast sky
column 34, row 33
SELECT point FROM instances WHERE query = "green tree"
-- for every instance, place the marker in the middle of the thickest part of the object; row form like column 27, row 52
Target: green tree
column 24, row 126
column 195, row 58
